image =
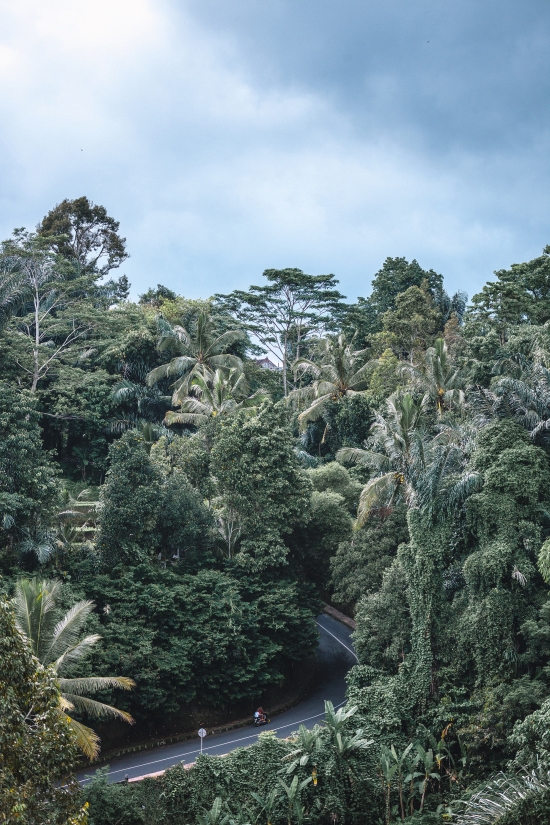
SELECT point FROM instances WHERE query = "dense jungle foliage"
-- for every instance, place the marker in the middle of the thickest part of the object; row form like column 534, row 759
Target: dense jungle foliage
column 175, row 511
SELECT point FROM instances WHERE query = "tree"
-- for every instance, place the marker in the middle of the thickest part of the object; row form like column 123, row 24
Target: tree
column 440, row 379
column 184, row 521
column 12, row 289
column 28, row 478
column 413, row 322
column 282, row 314
column 196, row 353
column 349, row 419
column 393, row 448
column 84, row 233
column 128, row 520
column 329, row 524
column 525, row 393
column 520, row 295
column 397, row 276
column 37, row 746
column 209, row 637
column 50, row 328
column 505, row 518
column 212, row 394
column 432, row 477
column 258, row 477
column 55, row 642
column 394, row 278
column 359, row 564
column 341, row 371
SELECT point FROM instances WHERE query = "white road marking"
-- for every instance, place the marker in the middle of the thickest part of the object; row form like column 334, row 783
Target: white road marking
column 339, row 641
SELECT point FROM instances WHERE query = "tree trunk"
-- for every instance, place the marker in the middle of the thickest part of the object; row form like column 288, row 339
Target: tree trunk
column 423, row 561
column 36, row 363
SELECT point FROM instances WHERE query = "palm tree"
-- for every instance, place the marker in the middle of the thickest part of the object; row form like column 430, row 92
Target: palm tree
column 439, row 379
column 527, row 396
column 56, row 642
column 503, row 796
column 196, row 353
column 426, row 473
column 395, row 444
column 341, row 371
column 432, row 476
column 211, row 394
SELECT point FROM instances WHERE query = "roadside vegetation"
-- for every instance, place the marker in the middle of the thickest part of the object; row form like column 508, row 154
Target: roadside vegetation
column 173, row 513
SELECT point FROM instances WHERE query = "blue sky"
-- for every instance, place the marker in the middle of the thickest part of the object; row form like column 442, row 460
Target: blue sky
column 228, row 137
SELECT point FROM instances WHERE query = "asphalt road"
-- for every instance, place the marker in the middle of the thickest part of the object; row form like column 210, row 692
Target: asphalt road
column 335, row 656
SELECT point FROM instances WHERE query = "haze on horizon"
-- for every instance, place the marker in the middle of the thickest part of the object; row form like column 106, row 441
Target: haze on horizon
column 231, row 137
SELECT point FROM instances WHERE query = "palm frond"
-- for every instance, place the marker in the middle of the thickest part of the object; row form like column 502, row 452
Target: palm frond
column 314, row 411
column 174, row 368
column 227, row 339
column 67, row 630
column 97, row 710
column 501, row 796
column 75, row 653
column 378, row 492
column 91, row 684
column 34, row 605
column 225, row 361
column 86, row 738
column 188, row 419
column 353, row 456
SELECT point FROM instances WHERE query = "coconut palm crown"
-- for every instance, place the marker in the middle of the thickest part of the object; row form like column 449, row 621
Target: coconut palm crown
column 408, row 466
column 57, row 642
column 340, row 371
column 203, row 350
column 215, row 393
column 439, row 378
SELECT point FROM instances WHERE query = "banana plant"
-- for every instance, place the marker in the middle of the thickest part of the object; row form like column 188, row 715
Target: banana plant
column 336, row 722
column 388, row 769
column 267, row 804
column 293, row 792
column 214, row 815
column 427, row 763
column 405, row 772
column 308, row 746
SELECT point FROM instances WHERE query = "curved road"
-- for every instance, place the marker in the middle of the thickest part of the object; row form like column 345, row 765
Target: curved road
column 335, row 656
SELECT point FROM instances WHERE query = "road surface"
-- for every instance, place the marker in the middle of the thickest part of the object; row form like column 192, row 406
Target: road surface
column 335, row 656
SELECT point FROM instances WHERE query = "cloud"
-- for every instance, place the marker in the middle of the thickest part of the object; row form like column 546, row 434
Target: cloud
column 228, row 139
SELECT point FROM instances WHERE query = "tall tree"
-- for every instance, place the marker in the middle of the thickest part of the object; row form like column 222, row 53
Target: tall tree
column 282, row 314
column 131, row 495
column 211, row 394
column 13, row 289
column 49, row 327
column 395, row 277
column 439, row 378
column 340, row 371
column 520, row 295
column 259, row 480
column 84, row 233
column 414, row 321
column 194, row 354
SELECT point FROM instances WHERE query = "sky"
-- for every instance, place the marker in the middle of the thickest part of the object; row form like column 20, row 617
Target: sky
column 231, row 137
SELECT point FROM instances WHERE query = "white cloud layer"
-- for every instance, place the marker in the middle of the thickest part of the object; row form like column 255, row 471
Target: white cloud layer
column 218, row 169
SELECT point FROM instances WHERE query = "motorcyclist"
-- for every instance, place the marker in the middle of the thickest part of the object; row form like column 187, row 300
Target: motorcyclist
column 260, row 716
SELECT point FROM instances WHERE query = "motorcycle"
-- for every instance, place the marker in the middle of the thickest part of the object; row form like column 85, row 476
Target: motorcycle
column 262, row 719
